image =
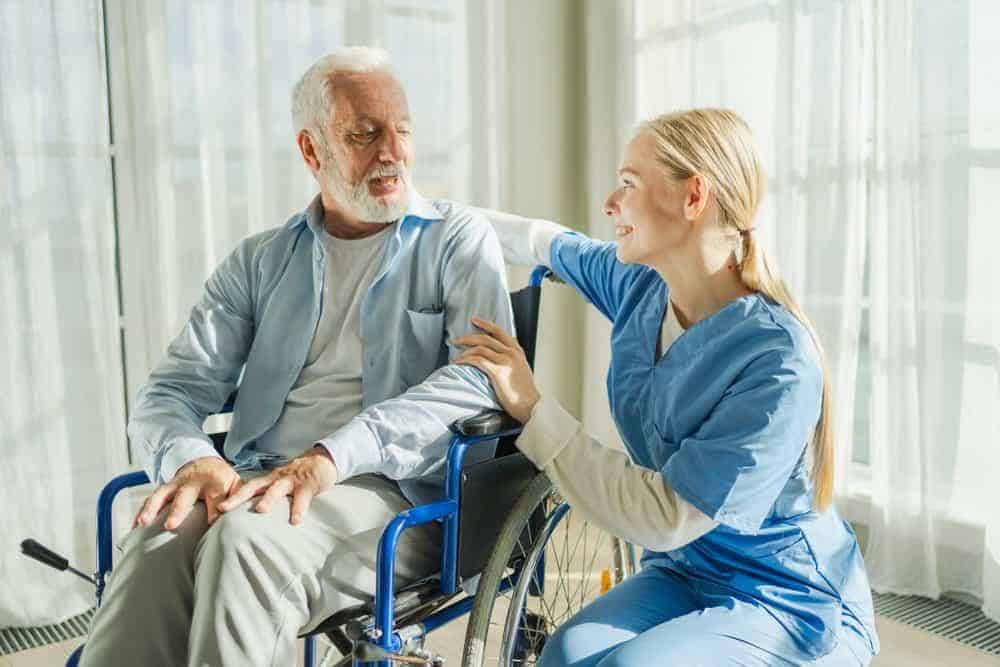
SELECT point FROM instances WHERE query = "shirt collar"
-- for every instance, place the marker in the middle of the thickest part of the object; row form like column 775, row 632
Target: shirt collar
column 422, row 209
column 419, row 208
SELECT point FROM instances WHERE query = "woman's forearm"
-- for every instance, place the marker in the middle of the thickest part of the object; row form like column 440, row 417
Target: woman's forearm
column 605, row 487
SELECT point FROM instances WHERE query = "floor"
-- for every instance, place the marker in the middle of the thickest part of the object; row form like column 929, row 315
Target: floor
column 902, row 646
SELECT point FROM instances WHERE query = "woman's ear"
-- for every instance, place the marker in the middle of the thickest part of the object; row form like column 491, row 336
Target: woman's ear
column 696, row 198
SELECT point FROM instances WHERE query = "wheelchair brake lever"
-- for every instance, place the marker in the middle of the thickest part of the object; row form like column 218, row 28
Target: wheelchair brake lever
column 43, row 554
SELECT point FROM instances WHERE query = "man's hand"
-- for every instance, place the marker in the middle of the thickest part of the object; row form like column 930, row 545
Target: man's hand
column 209, row 478
column 301, row 478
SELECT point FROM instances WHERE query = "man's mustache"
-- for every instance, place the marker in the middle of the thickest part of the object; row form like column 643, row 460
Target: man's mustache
column 386, row 171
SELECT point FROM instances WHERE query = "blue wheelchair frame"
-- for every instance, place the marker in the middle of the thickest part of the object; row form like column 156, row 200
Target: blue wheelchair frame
column 383, row 637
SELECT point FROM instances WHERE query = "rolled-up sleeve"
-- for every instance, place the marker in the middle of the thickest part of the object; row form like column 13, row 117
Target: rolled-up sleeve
column 738, row 461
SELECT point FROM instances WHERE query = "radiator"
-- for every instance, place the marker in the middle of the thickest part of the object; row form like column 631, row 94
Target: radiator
column 951, row 619
column 13, row 640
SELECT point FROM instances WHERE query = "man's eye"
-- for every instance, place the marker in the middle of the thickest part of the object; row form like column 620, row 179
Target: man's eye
column 365, row 136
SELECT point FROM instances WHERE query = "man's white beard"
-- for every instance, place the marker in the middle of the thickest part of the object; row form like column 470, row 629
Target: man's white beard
column 358, row 202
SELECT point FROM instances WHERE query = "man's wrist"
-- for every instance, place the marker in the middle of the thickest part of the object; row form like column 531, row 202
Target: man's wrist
column 323, row 451
column 196, row 460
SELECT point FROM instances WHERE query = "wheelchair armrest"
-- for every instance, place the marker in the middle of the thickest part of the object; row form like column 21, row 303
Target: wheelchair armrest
column 485, row 423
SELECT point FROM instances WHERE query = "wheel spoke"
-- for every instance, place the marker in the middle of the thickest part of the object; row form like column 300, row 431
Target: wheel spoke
column 574, row 554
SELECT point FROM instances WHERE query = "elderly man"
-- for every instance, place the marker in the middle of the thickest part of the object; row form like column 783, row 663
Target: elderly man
column 342, row 323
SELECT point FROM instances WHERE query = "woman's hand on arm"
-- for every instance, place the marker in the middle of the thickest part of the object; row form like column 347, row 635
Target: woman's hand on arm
column 498, row 354
column 599, row 482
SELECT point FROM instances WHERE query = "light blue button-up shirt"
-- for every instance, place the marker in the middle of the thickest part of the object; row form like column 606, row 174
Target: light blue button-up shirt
column 258, row 315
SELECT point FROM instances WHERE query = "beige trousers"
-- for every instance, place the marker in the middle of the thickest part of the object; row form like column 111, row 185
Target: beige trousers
column 240, row 592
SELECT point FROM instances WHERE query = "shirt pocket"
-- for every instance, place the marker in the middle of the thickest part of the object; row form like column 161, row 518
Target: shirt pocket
column 423, row 349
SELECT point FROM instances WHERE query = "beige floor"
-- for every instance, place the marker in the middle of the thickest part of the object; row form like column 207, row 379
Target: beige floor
column 902, row 646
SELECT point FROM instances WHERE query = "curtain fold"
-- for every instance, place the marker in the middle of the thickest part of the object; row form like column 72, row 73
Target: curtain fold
column 61, row 414
column 935, row 334
column 900, row 554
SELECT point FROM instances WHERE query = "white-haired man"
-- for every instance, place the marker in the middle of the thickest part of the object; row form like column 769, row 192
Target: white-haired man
column 341, row 323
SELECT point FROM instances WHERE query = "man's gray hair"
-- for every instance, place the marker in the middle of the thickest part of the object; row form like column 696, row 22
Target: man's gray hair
column 312, row 96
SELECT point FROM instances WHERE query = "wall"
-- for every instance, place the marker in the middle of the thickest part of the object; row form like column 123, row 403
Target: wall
column 541, row 165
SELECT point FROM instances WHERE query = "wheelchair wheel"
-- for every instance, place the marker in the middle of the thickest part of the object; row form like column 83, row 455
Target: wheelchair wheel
column 563, row 559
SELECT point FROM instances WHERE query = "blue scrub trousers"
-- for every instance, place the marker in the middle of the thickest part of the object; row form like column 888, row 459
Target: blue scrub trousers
column 653, row 618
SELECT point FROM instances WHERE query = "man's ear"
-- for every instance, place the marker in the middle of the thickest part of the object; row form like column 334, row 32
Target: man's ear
column 309, row 151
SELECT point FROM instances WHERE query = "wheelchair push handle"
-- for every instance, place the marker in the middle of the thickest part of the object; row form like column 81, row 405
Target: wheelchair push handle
column 41, row 553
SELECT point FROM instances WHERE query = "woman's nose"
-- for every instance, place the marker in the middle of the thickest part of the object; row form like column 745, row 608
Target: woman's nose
column 610, row 206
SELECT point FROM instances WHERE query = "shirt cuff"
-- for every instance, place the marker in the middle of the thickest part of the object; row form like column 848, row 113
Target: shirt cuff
column 180, row 452
column 354, row 449
column 541, row 235
column 547, row 432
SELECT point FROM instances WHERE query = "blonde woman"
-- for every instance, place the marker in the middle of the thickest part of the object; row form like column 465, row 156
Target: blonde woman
column 718, row 389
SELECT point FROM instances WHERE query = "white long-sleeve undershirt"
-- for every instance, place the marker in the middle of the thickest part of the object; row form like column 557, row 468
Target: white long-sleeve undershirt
column 524, row 240
column 604, row 486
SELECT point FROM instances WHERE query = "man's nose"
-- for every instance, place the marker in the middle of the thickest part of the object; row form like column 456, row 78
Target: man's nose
column 391, row 147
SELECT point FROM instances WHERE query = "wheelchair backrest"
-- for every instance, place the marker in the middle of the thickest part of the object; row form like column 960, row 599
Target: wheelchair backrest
column 525, row 303
column 490, row 488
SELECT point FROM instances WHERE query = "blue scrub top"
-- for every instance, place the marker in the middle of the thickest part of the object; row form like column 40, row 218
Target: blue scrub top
column 726, row 416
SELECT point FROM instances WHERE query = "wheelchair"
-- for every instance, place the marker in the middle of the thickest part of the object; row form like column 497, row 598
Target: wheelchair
column 506, row 534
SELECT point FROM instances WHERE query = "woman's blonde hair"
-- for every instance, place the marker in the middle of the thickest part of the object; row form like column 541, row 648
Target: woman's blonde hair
column 717, row 145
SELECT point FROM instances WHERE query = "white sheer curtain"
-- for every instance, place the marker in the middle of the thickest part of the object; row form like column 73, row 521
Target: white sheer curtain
column 61, row 397
column 879, row 125
column 935, row 314
column 200, row 143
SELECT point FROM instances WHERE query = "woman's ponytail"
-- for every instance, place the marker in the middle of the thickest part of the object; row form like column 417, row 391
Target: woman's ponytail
column 717, row 145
